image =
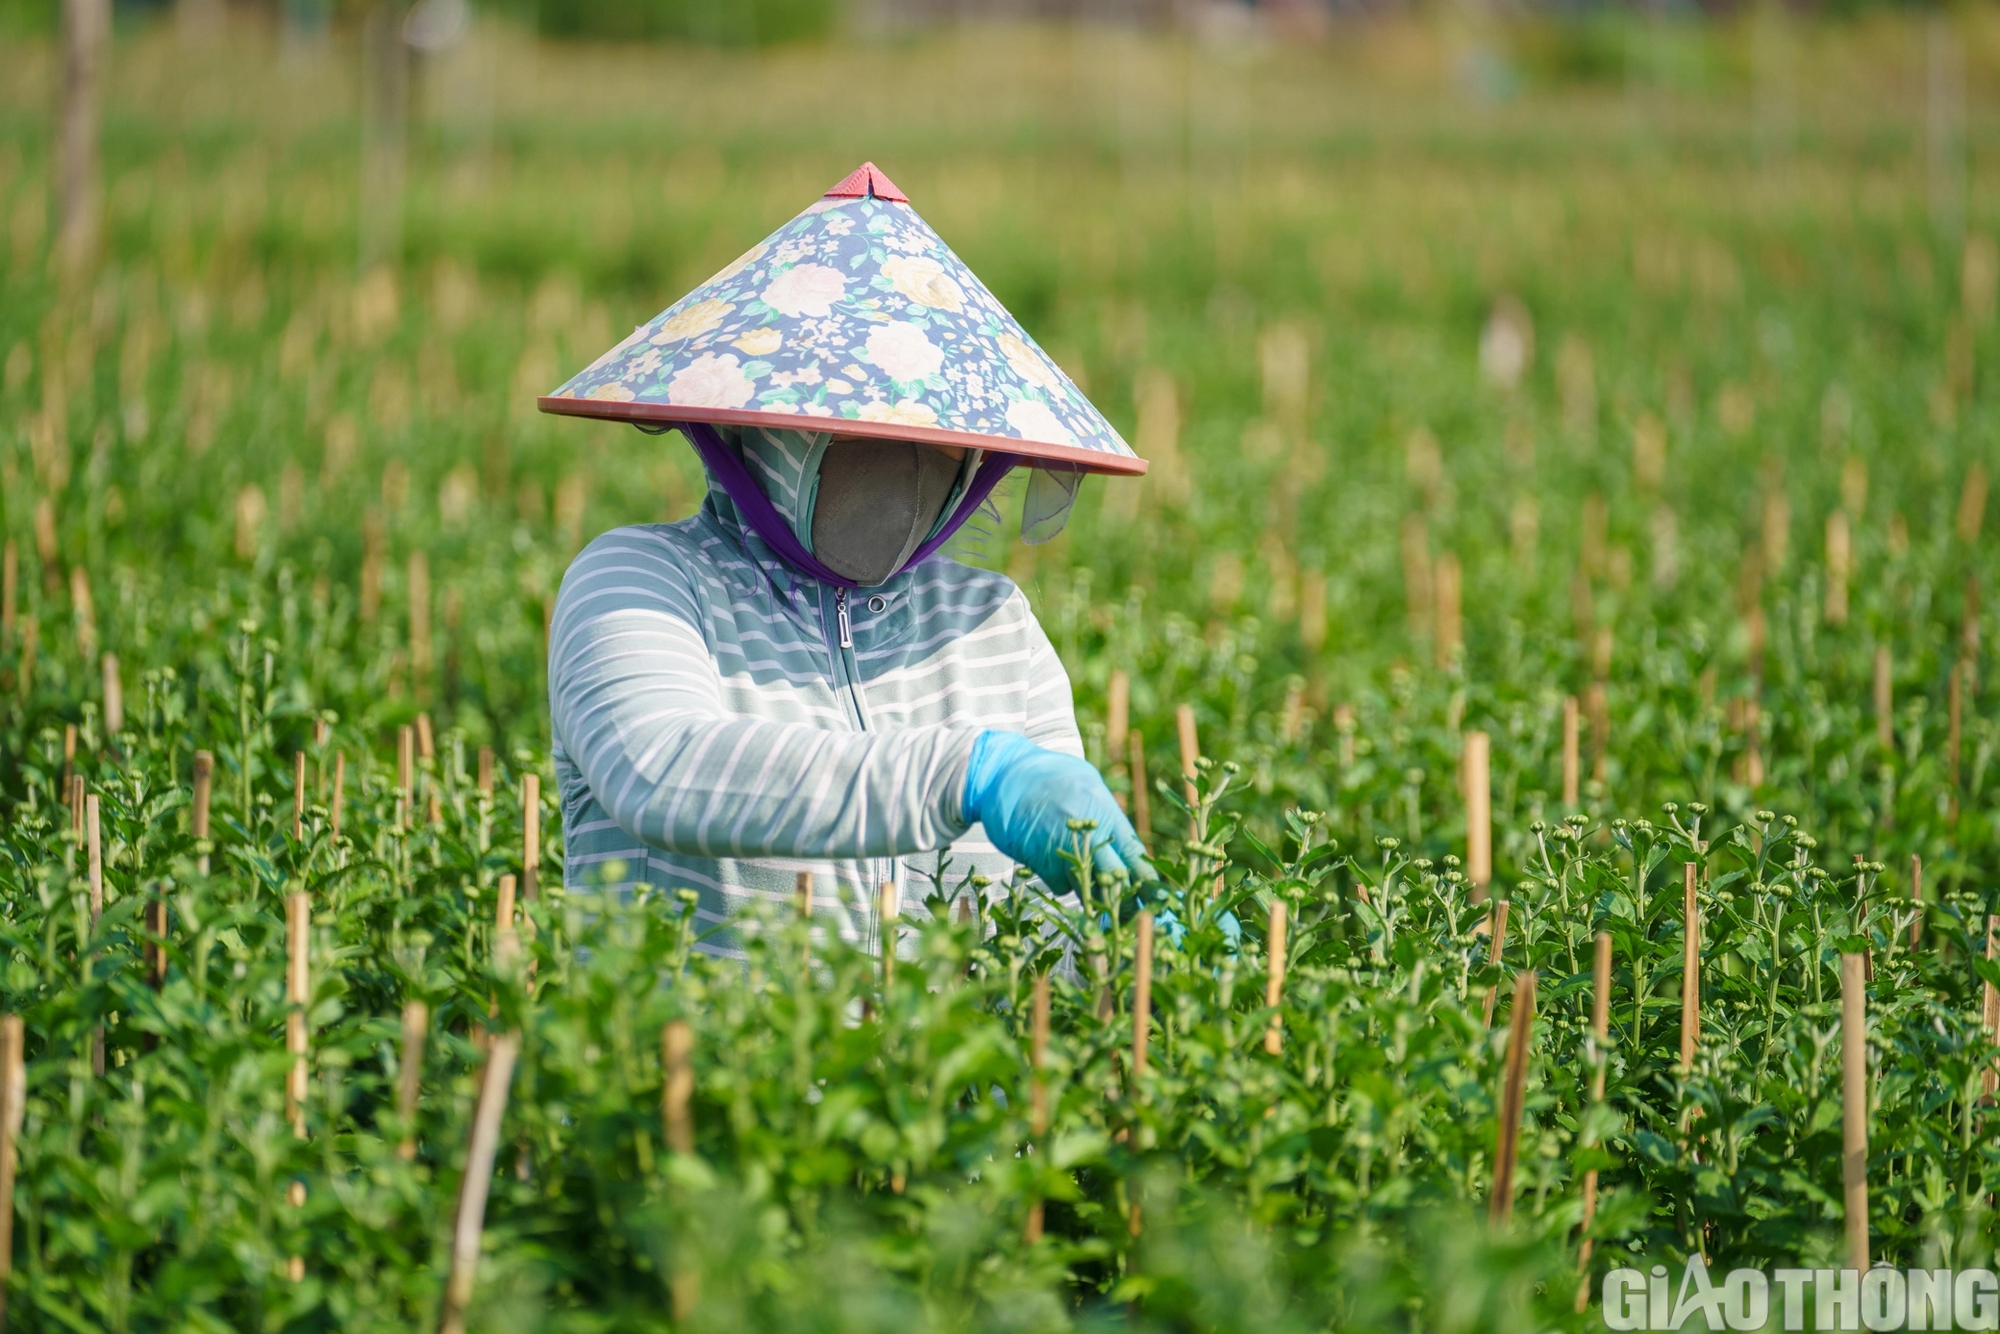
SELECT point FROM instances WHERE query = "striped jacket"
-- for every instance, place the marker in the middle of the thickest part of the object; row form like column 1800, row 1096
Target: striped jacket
column 723, row 722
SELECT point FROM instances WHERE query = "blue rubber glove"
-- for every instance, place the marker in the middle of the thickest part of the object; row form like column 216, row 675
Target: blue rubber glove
column 1026, row 796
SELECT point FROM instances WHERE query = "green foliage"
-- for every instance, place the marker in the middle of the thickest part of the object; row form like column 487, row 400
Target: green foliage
column 238, row 464
column 703, row 22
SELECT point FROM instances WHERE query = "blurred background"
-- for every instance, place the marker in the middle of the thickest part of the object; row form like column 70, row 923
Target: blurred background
column 1458, row 334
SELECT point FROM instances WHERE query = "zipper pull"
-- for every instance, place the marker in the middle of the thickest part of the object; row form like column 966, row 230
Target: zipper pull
column 840, row 612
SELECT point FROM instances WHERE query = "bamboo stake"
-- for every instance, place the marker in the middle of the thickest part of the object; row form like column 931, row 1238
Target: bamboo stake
column 1690, row 968
column 1478, row 813
column 1600, row 1050
column 891, row 906
column 339, row 789
column 1917, row 899
column 486, row 770
column 156, row 948
column 1142, row 798
column 531, row 837
column 1598, row 704
column 1496, row 930
column 406, row 774
column 204, row 772
column 1274, row 978
column 13, row 1105
column 76, row 804
column 69, row 771
column 299, row 796
column 1038, row 1089
column 94, row 836
column 1854, row 1108
column 1118, row 714
column 505, row 943
column 298, row 989
column 677, row 1087
column 1500, row 1208
column 10, row 595
column 1572, row 758
column 1839, row 565
column 86, row 31
column 470, row 1220
column 114, row 696
column 1190, row 751
column 426, row 739
column 1990, row 1003
column 1885, row 723
column 805, row 899
column 410, row 1073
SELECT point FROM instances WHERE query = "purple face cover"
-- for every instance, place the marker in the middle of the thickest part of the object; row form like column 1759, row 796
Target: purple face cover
column 727, row 467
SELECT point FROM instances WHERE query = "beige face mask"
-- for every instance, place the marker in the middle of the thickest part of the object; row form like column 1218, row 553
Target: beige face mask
column 874, row 502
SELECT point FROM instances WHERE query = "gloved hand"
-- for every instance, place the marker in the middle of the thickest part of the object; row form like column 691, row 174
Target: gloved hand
column 1026, row 796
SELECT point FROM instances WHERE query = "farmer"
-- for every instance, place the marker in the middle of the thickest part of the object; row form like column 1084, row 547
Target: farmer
column 795, row 680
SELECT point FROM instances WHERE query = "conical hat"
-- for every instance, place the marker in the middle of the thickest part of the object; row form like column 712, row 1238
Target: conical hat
column 852, row 317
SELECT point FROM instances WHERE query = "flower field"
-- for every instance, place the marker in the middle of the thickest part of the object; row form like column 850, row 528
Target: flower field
column 1570, row 463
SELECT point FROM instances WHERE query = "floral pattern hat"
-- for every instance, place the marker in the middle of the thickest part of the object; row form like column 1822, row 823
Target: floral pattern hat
column 855, row 318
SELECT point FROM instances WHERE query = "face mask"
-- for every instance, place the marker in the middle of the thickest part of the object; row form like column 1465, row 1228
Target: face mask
column 876, row 502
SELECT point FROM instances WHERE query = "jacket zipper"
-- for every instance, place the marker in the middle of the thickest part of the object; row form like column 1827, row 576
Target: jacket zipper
column 846, row 679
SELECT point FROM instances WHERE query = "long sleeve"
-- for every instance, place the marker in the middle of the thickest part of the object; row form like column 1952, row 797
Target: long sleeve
column 641, row 706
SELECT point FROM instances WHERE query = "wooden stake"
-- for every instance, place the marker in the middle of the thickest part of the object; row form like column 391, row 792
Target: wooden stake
column 1917, row 899
column 1496, row 931
column 531, row 837
column 426, row 739
column 470, row 1220
column 1274, row 978
column 1690, row 968
column 114, row 697
column 677, row 1087
column 1038, row 1089
column 891, row 906
column 1478, row 813
column 1885, row 722
column 298, row 993
column 1839, row 565
column 94, row 837
column 1597, row 703
column 486, row 770
column 204, row 772
column 410, row 1073
column 156, row 948
column 1190, row 751
column 1142, row 797
column 505, row 942
column 1446, row 583
column 13, row 1106
column 69, row 771
column 299, row 796
column 1572, row 753
column 1118, row 715
column 10, row 599
column 339, row 788
column 1854, row 1108
column 94, row 840
column 1500, row 1207
column 86, row 31
column 406, row 774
